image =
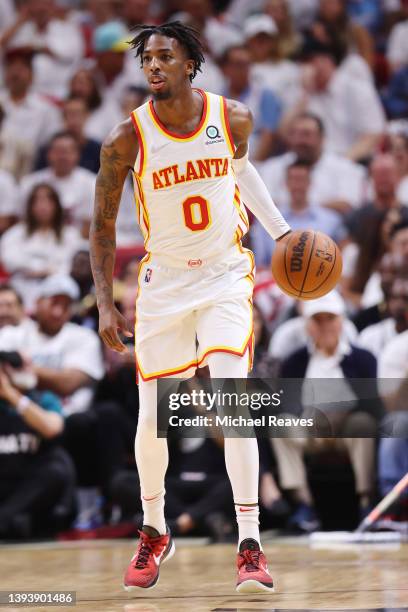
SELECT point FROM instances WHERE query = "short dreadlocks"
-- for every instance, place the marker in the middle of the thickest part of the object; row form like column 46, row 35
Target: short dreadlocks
column 187, row 36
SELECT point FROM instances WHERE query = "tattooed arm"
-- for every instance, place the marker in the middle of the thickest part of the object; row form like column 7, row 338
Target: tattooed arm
column 118, row 156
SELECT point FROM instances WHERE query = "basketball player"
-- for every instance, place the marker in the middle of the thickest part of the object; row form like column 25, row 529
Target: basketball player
column 188, row 153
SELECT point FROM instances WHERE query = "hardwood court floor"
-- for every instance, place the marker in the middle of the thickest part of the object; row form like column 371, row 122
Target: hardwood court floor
column 201, row 578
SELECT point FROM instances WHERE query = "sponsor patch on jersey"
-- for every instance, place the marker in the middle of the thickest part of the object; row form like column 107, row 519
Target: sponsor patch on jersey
column 214, row 134
column 148, row 275
column 194, row 263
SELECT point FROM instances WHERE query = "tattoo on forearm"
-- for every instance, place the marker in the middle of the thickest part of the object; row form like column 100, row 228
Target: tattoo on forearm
column 109, row 184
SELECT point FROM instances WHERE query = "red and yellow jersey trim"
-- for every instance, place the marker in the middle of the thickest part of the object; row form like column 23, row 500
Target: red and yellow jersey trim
column 181, row 137
column 142, row 144
column 196, row 363
column 226, row 126
column 143, row 213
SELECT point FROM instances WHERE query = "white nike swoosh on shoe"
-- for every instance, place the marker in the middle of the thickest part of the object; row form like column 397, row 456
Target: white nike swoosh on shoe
column 157, row 558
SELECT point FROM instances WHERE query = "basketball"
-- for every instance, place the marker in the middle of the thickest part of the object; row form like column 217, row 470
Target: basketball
column 307, row 265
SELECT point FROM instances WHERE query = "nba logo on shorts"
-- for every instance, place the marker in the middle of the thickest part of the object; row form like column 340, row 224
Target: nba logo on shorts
column 148, row 275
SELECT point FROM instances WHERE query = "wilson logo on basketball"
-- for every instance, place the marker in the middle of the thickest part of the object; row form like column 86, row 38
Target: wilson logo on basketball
column 296, row 260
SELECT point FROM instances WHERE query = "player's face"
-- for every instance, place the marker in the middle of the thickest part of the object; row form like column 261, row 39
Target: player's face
column 165, row 66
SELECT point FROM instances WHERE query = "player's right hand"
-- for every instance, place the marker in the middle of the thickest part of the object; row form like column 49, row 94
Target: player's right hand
column 111, row 322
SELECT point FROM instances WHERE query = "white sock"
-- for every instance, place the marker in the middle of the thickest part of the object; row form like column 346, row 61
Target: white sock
column 241, row 454
column 153, row 512
column 248, row 523
column 151, row 458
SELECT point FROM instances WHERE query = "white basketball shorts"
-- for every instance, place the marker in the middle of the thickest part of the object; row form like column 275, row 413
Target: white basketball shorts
column 183, row 314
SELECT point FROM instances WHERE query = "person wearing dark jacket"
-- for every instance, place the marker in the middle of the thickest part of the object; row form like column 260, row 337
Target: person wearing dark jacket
column 347, row 405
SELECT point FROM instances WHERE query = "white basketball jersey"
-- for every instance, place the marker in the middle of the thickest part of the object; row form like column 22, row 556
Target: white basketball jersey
column 188, row 202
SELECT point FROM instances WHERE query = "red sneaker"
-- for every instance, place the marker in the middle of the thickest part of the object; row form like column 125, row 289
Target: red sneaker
column 253, row 574
column 152, row 550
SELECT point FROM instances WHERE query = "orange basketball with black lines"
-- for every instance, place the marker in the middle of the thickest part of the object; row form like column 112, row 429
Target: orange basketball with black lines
column 307, row 264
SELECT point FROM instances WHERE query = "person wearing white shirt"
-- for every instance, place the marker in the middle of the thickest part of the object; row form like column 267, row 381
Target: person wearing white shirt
column 58, row 45
column 350, row 109
column 40, row 245
column 24, row 107
column 74, row 185
column 377, row 336
column 8, row 203
column 328, row 355
column 397, row 48
column 336, row 182
column 269, row 70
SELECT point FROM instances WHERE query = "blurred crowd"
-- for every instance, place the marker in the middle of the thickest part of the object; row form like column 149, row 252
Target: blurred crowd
column 327, row 83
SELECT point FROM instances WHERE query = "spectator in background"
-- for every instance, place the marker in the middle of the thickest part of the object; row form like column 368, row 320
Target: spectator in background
column 369, row 230
column 135, row 12
column 11, row 306
column 85, row 311
column 350, row 108
column 24, row 107
column 269, row 68
column 299, row 214
column 397, row 49
column 102, row 115
column 35, row 472
column 75, row 114
column 328, row 355
column 388, row 269
column 395, row 96
column 57, row 45
column 334, row 27
column 40, row 245
column 376, row 337
column 67, row 360
column 74, row 185
column 399, row 151
column 7, row 14
column 9, row 200
column 393, row 450
column 336, row 182
column 264, row 105
column 289, row 39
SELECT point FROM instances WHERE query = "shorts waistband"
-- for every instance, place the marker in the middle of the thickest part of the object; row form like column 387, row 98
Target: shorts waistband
column 169, row 261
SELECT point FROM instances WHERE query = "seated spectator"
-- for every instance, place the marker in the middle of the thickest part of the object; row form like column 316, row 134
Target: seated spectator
column 289, row 39
column 299, row 214
column 393, row 449
column 376, row 337
column 269, row 69
column 35, row 473
column 74, row 185
column 388, row 270
column 399, row 151
column 67, row 360
column 9, row 200
column 397, row 48
column 336, row 182
column 40, row 245
column 57, row 45
column 328, row 355
column 103, row 116
column 349, row 108
column 75, row 113
column 264, row 105
column 395, row 96
column 7, row 14
column 264, row 365
column 85, row 311
column 370, row 229
column 334, row 27
column 11, row 306
column 291, row 335
column 217, row 34
column 22, row 105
